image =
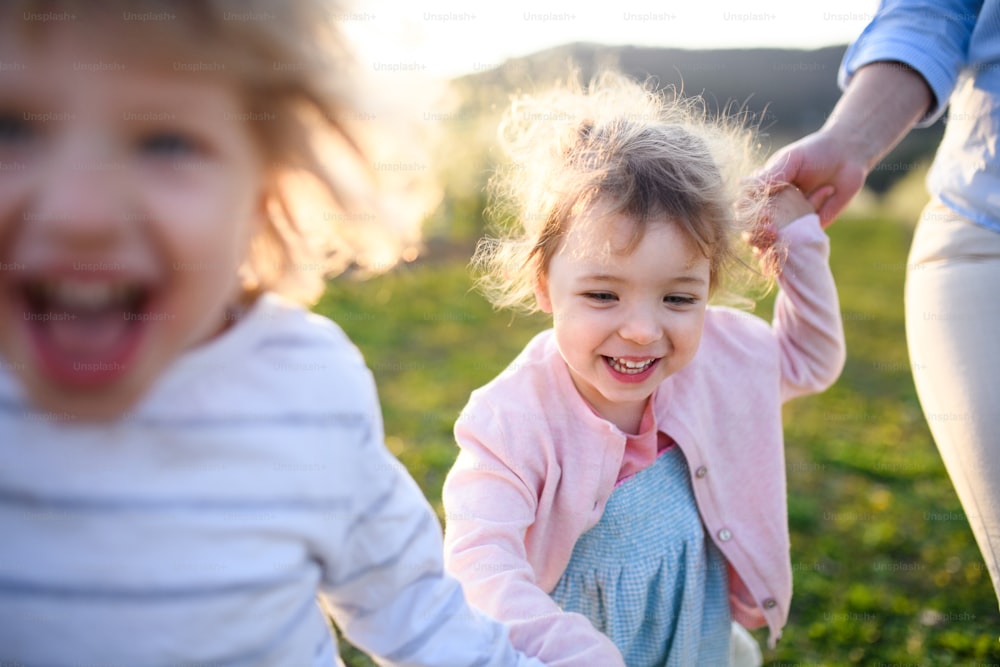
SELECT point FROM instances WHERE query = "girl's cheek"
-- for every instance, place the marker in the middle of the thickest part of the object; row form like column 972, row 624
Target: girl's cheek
column 8, row 194
column 14, row 188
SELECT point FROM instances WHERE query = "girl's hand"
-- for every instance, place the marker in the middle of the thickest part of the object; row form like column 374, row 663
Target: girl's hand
column 784, row 205
column 787, row 204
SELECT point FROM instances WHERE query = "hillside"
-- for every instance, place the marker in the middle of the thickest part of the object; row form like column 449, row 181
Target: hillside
column 788, row 92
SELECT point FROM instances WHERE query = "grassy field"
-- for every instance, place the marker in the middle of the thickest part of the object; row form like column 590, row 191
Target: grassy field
column 886, row 569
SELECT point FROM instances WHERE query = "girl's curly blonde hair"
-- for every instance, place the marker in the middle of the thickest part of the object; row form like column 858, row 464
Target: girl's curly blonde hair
column 632, row 150
column 323, row 135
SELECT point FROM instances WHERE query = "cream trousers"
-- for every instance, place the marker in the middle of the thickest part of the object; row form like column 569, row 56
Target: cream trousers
column 953, row 333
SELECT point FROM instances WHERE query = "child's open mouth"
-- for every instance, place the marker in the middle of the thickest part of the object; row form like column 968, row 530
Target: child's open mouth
column 85, row 332
column 631, row 370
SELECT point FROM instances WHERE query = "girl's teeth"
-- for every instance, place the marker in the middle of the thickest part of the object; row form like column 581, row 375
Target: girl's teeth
column 89, row 295
column 630, row 367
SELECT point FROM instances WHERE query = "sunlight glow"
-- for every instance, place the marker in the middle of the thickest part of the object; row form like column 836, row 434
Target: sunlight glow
column 449, row 38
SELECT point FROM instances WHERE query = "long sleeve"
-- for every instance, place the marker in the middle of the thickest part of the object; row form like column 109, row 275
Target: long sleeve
column 199, row 530
column 489, row 510
column 931, row 36
column 807, row 320
column 390, row 595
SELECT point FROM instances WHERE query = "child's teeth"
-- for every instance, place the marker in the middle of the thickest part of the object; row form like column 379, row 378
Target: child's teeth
column 89, row 295
column 85, row 295
column 630, row 366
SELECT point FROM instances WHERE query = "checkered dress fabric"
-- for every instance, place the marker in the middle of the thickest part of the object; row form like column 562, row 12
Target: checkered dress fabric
column 648, row 576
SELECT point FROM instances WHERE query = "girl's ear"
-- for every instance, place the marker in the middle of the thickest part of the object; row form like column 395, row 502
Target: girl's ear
column 542, row 293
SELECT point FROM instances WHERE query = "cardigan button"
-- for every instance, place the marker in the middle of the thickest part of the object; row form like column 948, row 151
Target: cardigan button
column 725, row 535
column 770, row 603
column 701, row 472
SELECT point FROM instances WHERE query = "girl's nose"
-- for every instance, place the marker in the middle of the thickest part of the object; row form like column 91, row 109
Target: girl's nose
column 641, row 326
column 78, row 192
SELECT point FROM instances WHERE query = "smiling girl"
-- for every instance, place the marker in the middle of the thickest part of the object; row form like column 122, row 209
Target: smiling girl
column 188, row 456
column 619, row 497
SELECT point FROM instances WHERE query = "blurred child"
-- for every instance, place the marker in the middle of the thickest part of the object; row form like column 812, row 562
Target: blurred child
column 619, row 497
column 188, row 456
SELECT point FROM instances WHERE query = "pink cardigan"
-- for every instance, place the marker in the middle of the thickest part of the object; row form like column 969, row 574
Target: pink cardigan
column 537, row 465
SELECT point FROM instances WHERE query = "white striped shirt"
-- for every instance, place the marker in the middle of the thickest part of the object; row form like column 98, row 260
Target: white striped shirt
column 198, row 529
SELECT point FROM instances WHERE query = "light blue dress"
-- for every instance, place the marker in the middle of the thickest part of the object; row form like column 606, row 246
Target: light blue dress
column 648, row 576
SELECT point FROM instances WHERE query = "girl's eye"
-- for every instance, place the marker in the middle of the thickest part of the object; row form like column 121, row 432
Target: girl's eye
column 13, row 129
column 677, row 300
column 601, row 297
column 168, row 145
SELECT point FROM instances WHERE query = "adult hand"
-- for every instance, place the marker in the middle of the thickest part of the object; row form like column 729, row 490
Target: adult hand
column 824, row 168
column 882, row 102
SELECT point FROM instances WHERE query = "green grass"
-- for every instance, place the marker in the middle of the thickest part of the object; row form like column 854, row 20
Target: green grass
column 886, row 569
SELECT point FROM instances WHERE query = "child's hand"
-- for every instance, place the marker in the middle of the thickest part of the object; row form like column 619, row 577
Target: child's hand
column 787, row 204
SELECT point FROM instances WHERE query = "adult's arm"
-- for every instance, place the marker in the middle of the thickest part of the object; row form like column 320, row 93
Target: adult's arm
column 883, row 101
column 899, row 73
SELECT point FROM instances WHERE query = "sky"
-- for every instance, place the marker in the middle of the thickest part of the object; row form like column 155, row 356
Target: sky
column 450, row 38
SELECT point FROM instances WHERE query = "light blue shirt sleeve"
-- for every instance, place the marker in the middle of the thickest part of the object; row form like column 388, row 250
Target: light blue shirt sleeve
column 932, row 37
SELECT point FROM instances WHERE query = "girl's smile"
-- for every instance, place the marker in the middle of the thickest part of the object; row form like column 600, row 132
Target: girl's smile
column 85, row 333
column 628, row 370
